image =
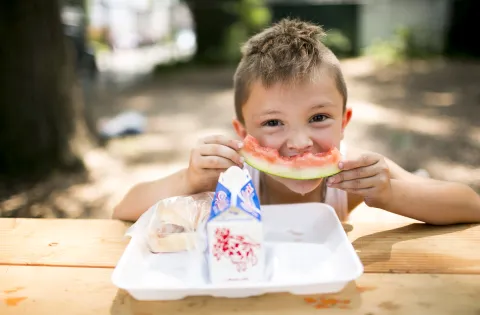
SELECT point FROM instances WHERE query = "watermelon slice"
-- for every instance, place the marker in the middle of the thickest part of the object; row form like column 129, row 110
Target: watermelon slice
column 304, row 166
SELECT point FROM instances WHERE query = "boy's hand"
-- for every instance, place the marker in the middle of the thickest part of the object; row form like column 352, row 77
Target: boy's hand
column 366, row 175
column 211, row 156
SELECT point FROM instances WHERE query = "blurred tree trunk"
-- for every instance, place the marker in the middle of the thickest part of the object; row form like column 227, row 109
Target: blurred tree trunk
column 42, row 124
column 212, row 21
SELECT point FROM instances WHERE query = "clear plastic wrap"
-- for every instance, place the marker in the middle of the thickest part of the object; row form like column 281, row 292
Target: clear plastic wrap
column 221, row 241
column 177, row 224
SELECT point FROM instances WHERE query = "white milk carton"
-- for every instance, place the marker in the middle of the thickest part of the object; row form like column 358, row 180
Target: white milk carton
column 234, row 229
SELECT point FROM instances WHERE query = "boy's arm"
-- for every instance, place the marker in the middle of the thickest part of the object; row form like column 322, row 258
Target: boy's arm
column 428, row 200
column 143, row 195
column 433, row 201
column 211, row 156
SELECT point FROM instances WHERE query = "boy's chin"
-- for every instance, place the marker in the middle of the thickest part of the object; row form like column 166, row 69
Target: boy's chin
column 300, row 186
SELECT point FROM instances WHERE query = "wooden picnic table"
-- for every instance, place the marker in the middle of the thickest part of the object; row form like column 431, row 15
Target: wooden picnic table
column 64, row 266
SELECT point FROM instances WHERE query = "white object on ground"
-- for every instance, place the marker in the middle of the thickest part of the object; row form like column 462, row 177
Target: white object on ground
column 125, row 123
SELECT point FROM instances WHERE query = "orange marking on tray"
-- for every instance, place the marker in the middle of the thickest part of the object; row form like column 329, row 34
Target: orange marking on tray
column 13, row 290
column 310, row 300
column 13, row 301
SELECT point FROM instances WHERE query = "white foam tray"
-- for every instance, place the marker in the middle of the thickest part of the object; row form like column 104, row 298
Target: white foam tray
column 308, row 252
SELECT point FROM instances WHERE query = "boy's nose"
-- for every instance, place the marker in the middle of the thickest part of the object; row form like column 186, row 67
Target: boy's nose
column 299, row 143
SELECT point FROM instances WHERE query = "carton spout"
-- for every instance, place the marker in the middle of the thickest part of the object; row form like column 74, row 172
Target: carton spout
column 233, row 177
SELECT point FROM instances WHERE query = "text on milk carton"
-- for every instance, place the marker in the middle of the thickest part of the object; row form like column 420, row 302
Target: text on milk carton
column 235, row 231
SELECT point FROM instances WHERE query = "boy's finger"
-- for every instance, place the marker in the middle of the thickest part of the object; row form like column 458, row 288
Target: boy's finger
column 362, row 183
column 356, row 173
column 221, row 151
column 365, row 159
column 215, row 162
column 220, row 139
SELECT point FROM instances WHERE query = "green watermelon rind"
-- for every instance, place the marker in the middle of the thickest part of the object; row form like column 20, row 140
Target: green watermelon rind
column 299, row 174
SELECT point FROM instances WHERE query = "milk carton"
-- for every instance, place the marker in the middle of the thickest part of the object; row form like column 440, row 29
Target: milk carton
column 234, row 229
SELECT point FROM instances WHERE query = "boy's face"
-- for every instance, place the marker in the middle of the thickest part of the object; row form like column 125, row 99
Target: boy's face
column 295, row 119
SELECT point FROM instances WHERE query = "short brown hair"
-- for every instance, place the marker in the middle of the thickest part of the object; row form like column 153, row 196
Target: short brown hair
column 288, row 51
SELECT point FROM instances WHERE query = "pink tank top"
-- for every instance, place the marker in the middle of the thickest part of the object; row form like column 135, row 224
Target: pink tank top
column 334, row 197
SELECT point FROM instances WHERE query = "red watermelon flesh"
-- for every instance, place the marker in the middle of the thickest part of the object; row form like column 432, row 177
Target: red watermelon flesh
column 305, row 166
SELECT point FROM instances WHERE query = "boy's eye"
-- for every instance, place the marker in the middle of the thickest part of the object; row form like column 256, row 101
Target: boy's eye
column 318, row 118
column 272, row 123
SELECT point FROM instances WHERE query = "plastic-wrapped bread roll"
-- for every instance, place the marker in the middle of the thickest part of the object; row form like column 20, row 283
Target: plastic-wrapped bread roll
column 173, row 225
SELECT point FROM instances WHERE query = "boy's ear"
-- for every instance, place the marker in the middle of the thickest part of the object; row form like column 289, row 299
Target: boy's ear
column 239, row 128
column 346, row 119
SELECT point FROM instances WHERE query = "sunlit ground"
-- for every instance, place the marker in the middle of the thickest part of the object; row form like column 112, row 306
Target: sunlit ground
column 422, row 115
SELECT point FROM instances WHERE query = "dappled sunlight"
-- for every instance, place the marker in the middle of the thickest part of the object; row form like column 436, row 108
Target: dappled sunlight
column 455, row 172
column 357, row 67
column 122, row 182
column 425, row 66
column 439, row 98
column 372, row 113
column 214, row 131
column 14, row 202
column 421, row 114
column 180, row 122
column 97, row 159
column 388, row 117
column 148, row 148
column 413, row 150
column 439, row 89
column 411, row 114
column 364, row 213
column 398, row 92
column 223, row 100
column 140, row 103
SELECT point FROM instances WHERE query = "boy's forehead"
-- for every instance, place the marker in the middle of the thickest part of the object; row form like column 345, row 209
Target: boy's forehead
column 316, row 88
column 285, row 96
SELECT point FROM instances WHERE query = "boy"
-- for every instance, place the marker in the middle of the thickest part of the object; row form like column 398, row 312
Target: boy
column 290, row 94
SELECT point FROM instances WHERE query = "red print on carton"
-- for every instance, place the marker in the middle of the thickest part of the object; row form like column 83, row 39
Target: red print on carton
column 238, row 248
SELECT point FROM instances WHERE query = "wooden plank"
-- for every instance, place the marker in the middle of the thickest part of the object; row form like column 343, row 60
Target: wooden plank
column 66, row 290
column 59, row 242
column 417, row 248
column 390, row 247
